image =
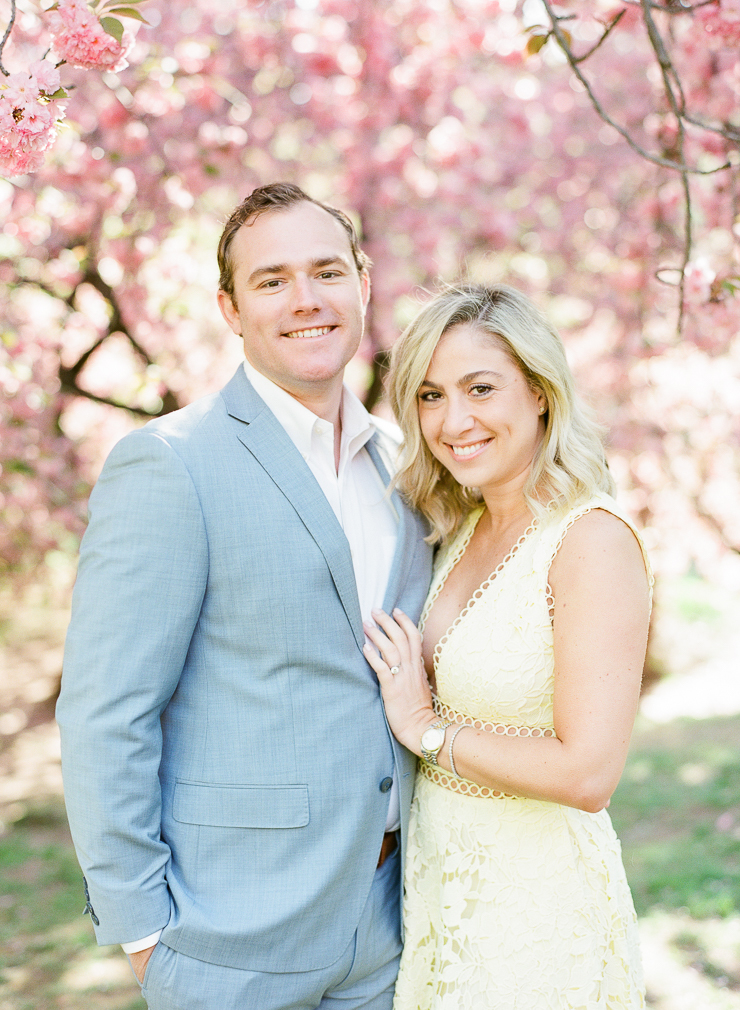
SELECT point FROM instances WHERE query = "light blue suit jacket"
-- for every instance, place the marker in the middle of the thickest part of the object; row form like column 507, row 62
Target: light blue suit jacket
column 224, row 743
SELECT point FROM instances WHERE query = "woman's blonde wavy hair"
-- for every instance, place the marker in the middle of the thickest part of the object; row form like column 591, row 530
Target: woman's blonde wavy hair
column 569, row 466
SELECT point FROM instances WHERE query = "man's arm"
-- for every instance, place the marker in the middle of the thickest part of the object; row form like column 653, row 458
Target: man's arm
column 140, row 585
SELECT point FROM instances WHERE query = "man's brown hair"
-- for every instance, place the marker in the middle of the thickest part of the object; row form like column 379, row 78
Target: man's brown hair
column 275, row 197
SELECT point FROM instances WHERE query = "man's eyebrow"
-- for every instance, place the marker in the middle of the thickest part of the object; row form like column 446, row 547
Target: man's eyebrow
column 279, row 268
column 327, row 261
column 275, row 268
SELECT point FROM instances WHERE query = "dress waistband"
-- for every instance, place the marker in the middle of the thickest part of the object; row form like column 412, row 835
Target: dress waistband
column 459, row 785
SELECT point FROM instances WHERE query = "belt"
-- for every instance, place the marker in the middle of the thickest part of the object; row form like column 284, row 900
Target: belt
column 390, row 842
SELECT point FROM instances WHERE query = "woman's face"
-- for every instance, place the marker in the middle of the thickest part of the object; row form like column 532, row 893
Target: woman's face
column 478, row 415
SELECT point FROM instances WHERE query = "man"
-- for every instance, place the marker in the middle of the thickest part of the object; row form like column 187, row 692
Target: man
column 232, row 785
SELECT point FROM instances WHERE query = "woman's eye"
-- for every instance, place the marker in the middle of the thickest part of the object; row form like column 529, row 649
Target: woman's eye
column 429, row 397
column 480, row 390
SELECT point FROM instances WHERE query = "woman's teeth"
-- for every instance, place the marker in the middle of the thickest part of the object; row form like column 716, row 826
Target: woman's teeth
column 467, row 450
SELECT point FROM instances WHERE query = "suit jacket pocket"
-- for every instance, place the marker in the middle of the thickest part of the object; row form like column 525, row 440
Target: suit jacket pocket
column 235, row 806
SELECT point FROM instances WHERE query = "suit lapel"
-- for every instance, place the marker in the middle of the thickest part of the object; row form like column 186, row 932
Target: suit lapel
column 263, row 435
column 408, row 534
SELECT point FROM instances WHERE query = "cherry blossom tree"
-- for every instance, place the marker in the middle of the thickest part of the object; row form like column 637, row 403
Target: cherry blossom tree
column 587, row 153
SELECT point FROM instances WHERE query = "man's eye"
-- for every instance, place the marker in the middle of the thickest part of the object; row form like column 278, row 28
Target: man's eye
column 328, row 274
column 271, row 284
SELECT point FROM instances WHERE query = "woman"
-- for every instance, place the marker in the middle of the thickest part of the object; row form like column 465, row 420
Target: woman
column 534, row 637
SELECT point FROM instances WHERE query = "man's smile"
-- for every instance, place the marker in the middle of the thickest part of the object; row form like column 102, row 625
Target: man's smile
column 316, row 331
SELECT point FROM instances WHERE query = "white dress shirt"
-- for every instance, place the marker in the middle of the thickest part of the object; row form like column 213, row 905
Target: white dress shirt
column 358, row 499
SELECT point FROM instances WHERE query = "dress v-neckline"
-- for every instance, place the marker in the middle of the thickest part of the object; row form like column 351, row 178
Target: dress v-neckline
column 451, row 564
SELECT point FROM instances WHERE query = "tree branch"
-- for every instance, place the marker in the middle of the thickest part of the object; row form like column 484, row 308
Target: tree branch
column 6, row 36
column 604, row 35
column 557, row 32
column 118, row 325
column 716, row 527
column 676, row 101
column 68, row 376
column 678, row 107
column 671, row 8
column 69, row 385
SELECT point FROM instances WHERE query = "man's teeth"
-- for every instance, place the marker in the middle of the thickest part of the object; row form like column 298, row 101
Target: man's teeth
column 466, row 450
column 318, row 331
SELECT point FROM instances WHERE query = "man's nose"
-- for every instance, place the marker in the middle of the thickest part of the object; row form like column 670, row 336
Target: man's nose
column 306, row 296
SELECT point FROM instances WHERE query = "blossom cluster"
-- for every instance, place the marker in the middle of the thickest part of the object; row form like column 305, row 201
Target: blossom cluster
column 721, row 22
column 79, row 38
column 30, row 109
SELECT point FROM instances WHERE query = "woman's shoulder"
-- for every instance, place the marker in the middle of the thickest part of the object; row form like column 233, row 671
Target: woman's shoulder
column 596, row 533
column 600, row 527
column 600, row 511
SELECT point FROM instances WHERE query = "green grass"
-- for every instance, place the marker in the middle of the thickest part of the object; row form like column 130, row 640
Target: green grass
column 677, row 812
column 49, row 959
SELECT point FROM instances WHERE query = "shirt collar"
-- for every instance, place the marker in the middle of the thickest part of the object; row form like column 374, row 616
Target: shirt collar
column 299, row 422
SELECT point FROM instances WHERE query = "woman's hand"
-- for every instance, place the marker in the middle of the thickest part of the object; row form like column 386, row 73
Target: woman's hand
column 403, row 680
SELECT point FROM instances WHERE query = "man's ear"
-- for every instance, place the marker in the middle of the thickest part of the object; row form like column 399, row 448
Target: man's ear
column 365, row 289
column 229, row 311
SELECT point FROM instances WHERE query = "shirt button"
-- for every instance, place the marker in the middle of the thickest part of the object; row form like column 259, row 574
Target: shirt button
column 385, row 785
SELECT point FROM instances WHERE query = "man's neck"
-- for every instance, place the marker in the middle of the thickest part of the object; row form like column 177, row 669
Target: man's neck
column 324, row 400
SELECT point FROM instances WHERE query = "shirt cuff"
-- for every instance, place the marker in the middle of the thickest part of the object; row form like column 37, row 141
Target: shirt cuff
column 134, row 946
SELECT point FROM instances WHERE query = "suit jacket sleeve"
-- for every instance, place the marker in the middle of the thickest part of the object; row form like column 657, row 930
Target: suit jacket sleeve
column 141, row 581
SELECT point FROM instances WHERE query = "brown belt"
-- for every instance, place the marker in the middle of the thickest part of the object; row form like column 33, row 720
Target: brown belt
column 390, row 841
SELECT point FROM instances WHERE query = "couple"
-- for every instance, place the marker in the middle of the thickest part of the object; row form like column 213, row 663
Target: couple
column 238, row 789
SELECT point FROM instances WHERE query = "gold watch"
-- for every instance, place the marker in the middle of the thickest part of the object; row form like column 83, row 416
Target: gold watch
column 432, row 741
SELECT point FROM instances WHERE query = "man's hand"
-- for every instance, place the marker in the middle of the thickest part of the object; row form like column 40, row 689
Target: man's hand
column 139, row 961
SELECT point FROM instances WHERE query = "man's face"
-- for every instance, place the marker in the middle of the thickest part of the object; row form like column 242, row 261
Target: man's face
column 300, row 302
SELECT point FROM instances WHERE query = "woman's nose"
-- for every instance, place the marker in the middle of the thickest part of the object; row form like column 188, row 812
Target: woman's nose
column 458, row 418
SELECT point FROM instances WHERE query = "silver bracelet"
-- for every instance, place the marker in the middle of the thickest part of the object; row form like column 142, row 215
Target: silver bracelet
column 449, row 750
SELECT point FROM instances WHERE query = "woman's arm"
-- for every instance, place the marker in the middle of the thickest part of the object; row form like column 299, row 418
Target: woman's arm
column 601, row 619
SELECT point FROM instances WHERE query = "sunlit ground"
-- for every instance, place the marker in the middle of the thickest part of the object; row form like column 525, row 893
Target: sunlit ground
column 677, row 811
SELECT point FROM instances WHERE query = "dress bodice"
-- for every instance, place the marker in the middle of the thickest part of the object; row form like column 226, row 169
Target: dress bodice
column 496, row 662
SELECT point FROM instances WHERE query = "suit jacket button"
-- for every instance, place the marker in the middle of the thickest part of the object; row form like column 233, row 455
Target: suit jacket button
column 385, row 785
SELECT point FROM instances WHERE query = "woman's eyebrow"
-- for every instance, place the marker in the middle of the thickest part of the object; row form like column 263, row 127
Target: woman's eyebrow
column 470, row 377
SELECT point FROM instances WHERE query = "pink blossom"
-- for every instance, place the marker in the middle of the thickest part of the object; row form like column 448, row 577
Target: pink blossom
column 721, row 21
column 80, row 39
column 46, row 76
column 15, row 160
column 28, row 118
column 36, row 119
column 699, row 276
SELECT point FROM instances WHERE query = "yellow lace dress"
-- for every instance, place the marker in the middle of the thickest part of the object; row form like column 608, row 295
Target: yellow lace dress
column 511, row 903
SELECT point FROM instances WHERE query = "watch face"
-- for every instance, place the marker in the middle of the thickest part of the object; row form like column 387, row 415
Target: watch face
column 432, row 738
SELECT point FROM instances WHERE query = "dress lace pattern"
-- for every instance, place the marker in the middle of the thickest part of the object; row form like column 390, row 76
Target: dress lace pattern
column 511, row 903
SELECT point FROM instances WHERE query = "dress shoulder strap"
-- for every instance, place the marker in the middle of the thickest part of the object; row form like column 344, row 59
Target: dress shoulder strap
column 554, row 532
column 447, row 557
